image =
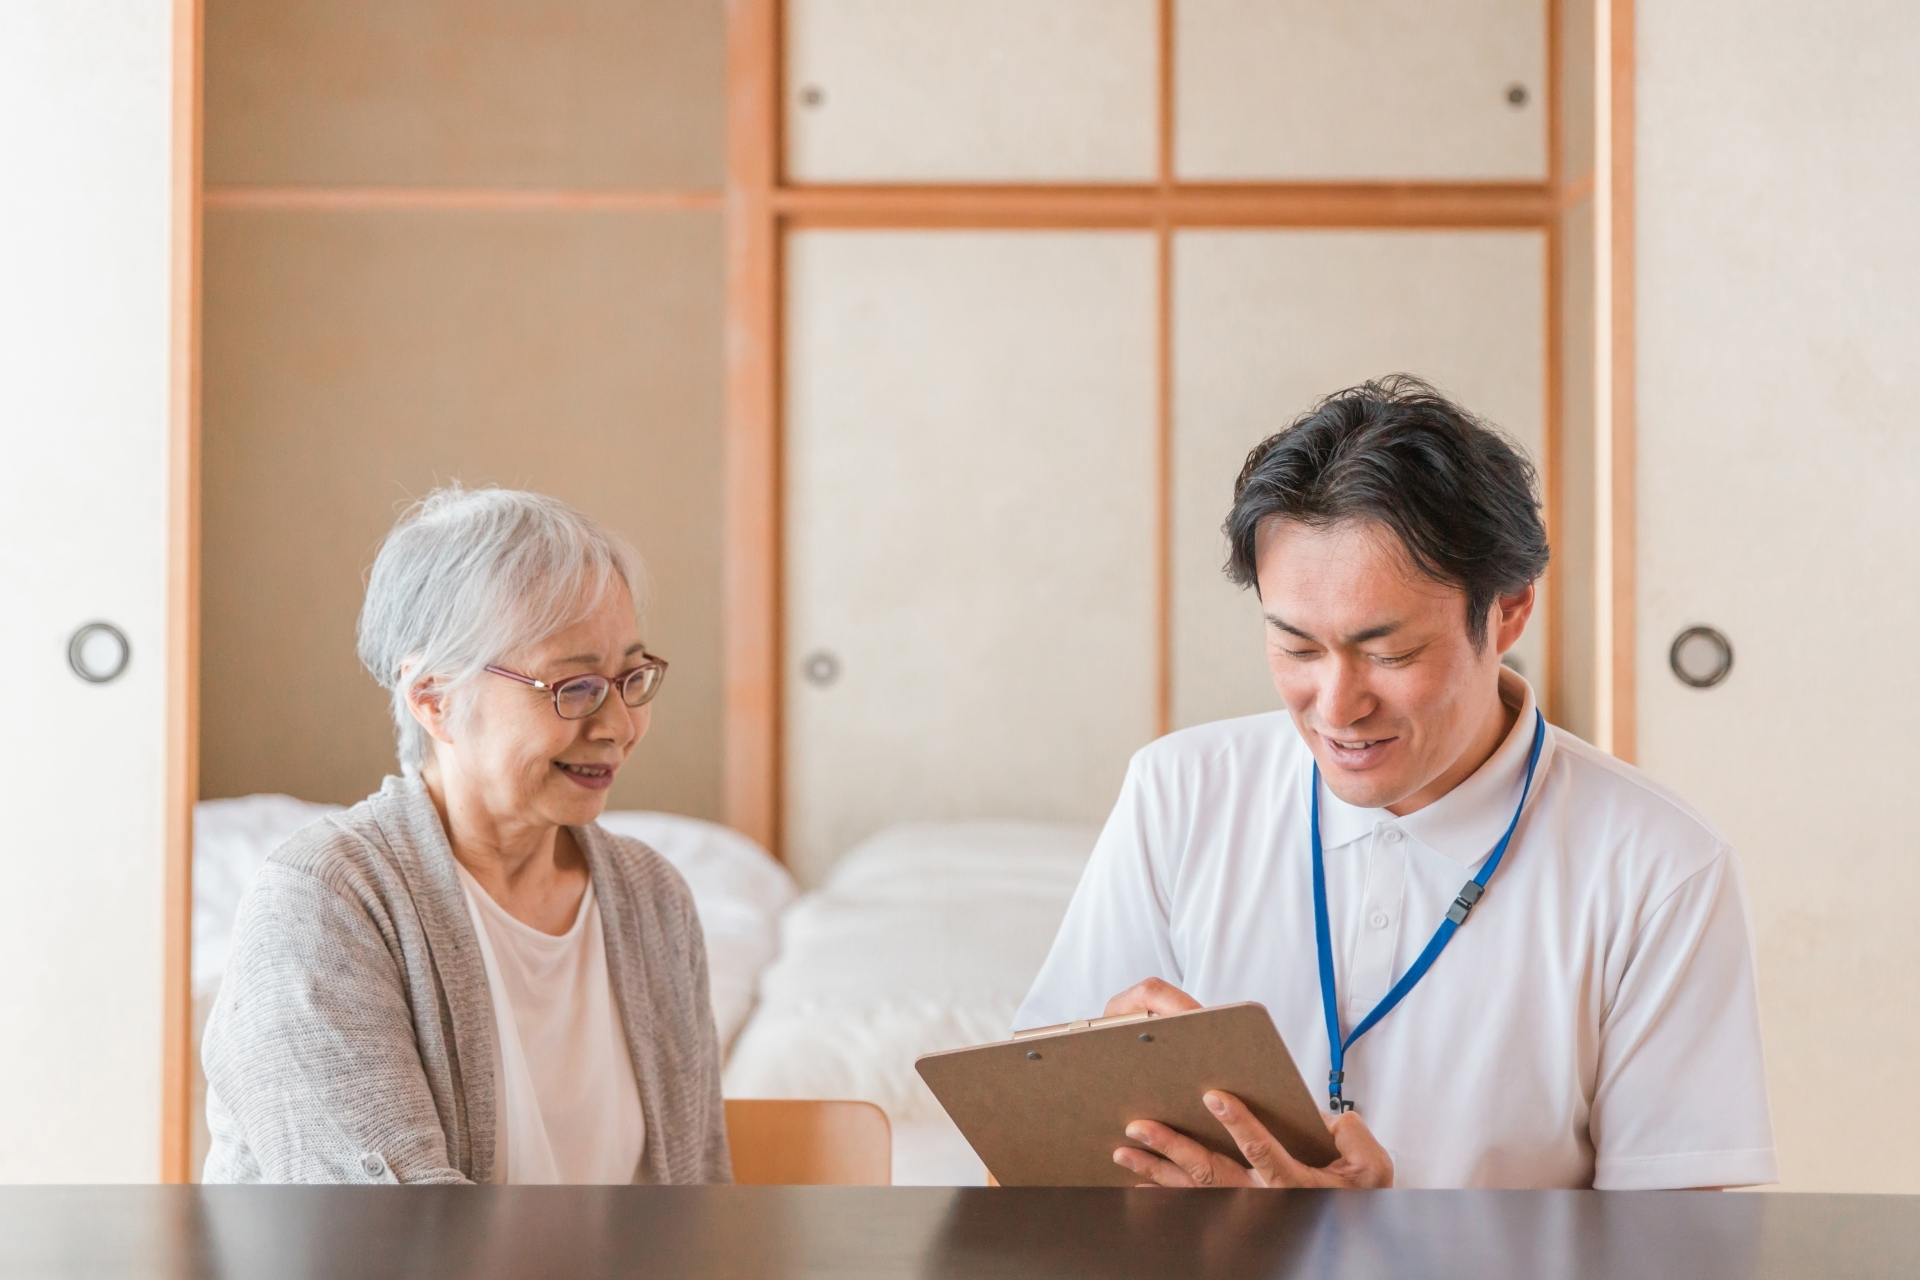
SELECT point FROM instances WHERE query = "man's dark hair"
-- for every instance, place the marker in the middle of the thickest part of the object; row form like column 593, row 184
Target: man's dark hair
column 1397, row 453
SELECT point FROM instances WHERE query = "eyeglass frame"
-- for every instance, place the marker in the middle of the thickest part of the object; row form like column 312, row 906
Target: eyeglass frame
column 651, row 662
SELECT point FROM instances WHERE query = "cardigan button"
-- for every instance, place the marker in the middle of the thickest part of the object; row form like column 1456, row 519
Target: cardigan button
column 375, row 1167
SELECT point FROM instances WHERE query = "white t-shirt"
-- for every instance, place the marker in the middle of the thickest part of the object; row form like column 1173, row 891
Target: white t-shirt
column 569, row 1107
column 1593, row 1023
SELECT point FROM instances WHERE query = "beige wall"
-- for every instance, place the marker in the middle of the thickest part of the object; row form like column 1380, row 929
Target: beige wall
column 354, row 359
column 588, row 93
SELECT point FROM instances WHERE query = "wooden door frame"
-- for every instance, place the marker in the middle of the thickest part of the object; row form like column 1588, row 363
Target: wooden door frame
column 182, row 732
column 762, row 205
column 1614, row 381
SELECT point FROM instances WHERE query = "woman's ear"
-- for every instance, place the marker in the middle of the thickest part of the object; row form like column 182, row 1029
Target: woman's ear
column 427, row 701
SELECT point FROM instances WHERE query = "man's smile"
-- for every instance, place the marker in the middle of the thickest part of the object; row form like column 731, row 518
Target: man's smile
column 1354, row 752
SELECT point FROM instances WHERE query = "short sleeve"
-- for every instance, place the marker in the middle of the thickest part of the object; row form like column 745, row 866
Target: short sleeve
column 1116, row 931
column 1680, row 1099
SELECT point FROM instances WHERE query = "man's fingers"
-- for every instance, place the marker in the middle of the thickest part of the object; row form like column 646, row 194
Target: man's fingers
column 1157, row 1172
column 1201, row 1166
column 1364, row 1160
column 1275, row 1165
column 1155, row 995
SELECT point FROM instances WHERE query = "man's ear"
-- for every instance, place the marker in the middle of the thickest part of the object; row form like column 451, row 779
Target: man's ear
column 1510, row 614
column 428, row 702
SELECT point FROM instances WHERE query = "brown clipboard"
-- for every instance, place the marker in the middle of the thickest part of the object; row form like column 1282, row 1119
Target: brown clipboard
column 1048, row 1108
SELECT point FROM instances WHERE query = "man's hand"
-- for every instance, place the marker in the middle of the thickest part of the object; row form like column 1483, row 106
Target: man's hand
column 1151, row 996
column 1178, row 1161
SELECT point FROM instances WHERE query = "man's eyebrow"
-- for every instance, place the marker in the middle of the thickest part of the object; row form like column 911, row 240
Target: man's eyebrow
column 1282, row 624
column 638, row 646
column 1359, row 637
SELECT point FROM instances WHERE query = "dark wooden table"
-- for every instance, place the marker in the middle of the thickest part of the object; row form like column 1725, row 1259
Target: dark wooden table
column 300, row 1233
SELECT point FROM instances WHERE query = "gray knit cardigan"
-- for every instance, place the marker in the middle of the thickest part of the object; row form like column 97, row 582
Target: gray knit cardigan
column 353, row 1037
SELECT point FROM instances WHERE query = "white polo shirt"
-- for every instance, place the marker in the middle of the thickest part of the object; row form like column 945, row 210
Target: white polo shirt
column 1593, row 1023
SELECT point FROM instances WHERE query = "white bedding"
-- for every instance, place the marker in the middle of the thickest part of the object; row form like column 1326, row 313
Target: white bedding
column 922, row 938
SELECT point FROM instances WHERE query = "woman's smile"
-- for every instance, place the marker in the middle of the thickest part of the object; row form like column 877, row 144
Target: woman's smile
column 594, row 777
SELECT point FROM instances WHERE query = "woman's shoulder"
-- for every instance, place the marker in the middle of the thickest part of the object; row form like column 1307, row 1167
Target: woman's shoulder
column 638, row 869
column 634, row 860
column 350, row 849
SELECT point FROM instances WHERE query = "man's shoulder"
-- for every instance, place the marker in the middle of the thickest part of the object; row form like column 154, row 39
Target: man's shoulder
column 1636, row 811
column 1223, row 747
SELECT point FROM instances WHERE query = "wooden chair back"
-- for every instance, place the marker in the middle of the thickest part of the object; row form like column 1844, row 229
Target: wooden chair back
column 791, row 1142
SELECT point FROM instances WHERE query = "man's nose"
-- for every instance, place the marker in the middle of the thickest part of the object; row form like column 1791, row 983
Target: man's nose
column 1344, row 698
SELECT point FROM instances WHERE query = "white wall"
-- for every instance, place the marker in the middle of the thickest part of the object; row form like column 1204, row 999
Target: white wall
column 970, row 498
column 1267, row 322
column 86, row 152
column 985, row 90
column 1360, row 90
column 1778, row 344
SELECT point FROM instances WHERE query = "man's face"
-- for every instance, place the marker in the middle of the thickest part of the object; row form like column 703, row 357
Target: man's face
column 1374, row 662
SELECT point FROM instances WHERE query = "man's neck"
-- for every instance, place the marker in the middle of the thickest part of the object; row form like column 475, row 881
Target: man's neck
column 1498, row 722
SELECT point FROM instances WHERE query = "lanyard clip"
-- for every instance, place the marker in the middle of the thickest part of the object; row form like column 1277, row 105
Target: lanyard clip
column 1340, row 1104
column 1463, row 905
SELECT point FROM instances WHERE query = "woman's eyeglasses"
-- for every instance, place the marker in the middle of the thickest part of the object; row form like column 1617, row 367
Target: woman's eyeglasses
column 578, row 697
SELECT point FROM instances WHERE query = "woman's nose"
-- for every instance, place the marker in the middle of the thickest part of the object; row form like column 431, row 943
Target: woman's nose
column 615, row 721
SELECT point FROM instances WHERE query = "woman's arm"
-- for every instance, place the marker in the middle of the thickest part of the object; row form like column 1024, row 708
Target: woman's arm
column 311, row 1047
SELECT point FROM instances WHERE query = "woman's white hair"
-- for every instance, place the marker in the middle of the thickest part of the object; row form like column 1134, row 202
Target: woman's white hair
column 469, row 577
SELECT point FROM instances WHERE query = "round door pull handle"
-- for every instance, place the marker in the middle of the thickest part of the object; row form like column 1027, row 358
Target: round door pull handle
column 1701, row 657
column 99, row 652
column 821, row 668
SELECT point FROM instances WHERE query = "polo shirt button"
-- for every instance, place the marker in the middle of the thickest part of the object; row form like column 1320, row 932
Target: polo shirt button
column 1379, row 920
column 374, row 1165
column 1393, row 835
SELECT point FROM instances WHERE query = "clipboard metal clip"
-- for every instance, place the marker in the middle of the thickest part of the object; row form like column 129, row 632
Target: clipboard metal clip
column 1084, row 1024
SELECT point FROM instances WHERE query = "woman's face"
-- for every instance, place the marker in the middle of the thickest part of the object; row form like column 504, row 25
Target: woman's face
column 513, row 753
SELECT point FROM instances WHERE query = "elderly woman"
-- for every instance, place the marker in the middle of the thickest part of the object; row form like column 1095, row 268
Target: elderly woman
column 463, row 978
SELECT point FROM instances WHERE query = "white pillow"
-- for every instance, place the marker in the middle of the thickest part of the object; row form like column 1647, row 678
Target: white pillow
column 231, row 841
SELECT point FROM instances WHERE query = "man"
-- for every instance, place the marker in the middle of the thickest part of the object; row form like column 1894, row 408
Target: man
column 1590, row 1016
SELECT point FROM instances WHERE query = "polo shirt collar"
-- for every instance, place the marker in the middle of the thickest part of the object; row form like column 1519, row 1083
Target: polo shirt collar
column 1469, row 820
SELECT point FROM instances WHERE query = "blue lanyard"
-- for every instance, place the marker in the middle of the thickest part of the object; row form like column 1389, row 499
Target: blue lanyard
column 1456, row 916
